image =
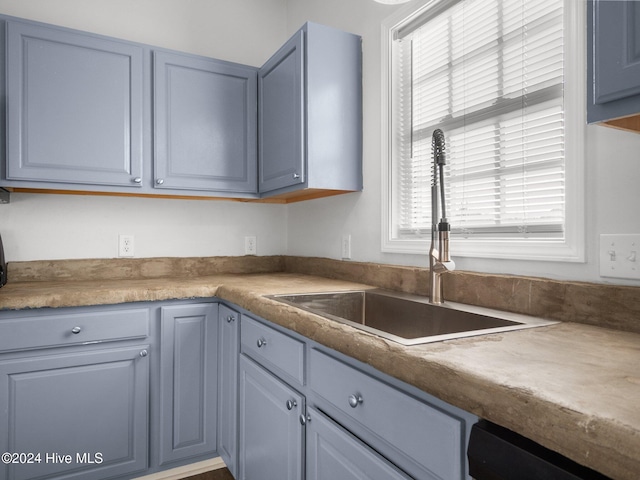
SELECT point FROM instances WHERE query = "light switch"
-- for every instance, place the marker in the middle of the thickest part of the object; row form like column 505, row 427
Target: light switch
column 619, row 256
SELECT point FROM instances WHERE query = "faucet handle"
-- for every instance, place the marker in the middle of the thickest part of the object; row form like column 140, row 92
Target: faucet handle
column 442, row 266
column 449, row 266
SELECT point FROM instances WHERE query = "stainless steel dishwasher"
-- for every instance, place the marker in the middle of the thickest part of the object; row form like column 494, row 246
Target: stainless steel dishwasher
column 496, row 453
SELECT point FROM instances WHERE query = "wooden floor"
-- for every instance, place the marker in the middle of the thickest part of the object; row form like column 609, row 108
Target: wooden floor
column 220, row 474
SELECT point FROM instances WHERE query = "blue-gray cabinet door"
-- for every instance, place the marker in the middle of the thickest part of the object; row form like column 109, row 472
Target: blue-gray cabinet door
column 228, row 388
column 188, row 381
column 74, row 107
column 614, row 59
column 271, row 434
column 333, row 453
column 82, row 415
column 205, row 127
column 281, row 114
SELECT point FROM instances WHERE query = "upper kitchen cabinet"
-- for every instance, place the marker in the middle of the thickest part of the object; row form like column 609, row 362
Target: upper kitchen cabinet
column 282, row 117
column 74, row 107
column 310, row 116
column 204, row 124
column 614, row 63
column 90, row 113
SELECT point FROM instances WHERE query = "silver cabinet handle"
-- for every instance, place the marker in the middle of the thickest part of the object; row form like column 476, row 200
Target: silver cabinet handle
column 261, row 342
column 296, row 175
column 230, row 318
column 76, row 330
column 355, row 400
column 137, row 180
column 304, row 419
column 144, row 353
column 291, row 404
column 160, row 181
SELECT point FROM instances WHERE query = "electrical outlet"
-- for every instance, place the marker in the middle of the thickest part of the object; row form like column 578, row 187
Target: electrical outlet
column 620, row 256
column 125, row 246
column 250, row 245
column 346, row 247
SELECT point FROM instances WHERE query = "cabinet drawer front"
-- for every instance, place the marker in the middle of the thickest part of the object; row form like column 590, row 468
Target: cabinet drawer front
column 42, row 330
column 428, row 436
column 278, row 352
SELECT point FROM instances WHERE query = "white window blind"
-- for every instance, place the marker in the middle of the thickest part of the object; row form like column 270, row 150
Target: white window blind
column 489, row 73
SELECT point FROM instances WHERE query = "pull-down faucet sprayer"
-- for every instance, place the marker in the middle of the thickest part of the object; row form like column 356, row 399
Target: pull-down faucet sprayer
column 439, row 260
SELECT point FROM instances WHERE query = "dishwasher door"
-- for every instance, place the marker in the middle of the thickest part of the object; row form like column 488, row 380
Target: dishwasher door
column 496, row 453
column 3, row 265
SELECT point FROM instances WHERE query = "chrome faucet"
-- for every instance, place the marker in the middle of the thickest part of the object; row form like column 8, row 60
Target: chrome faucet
column 439, row 260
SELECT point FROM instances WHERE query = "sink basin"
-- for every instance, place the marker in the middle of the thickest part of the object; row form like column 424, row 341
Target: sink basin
column 408, row 319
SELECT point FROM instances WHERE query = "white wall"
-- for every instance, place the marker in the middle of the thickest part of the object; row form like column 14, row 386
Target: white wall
column 39, row 227
column 612, row 168
column 35, row 227
column 245, row 31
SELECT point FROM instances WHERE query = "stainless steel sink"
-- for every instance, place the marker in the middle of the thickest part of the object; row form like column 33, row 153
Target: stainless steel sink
column 409, row 319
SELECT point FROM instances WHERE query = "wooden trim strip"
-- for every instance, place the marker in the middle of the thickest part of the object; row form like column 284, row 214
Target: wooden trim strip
column 291, row 197
column 186, row 470
column 630, row 124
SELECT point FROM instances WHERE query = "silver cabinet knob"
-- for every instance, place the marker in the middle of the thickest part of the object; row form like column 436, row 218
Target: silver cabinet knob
column 160, row 181
column 76, row 330
column 230, row 318
column 137, row 180
column 291, row 404
column 296, row 175
column 355, row 400
column 304, row 419
column 144, row 353
column 261, row 342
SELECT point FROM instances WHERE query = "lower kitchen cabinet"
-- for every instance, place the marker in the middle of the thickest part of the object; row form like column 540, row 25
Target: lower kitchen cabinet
column 188, row 381
column 108, row 392
column 74, row 412
column 122, row 391
column 229, row 327
column 271, row 427
column 299, row 400
column 333, row 453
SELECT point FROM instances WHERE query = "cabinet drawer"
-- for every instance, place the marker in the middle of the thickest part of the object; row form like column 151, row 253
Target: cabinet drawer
column 40, row 330
column 428, row 436
column 278, row 352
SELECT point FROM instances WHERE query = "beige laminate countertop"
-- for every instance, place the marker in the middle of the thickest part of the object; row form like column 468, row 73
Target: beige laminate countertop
column 571, row 387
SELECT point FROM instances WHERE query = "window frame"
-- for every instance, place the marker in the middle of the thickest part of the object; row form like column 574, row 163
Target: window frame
column 569, row 249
